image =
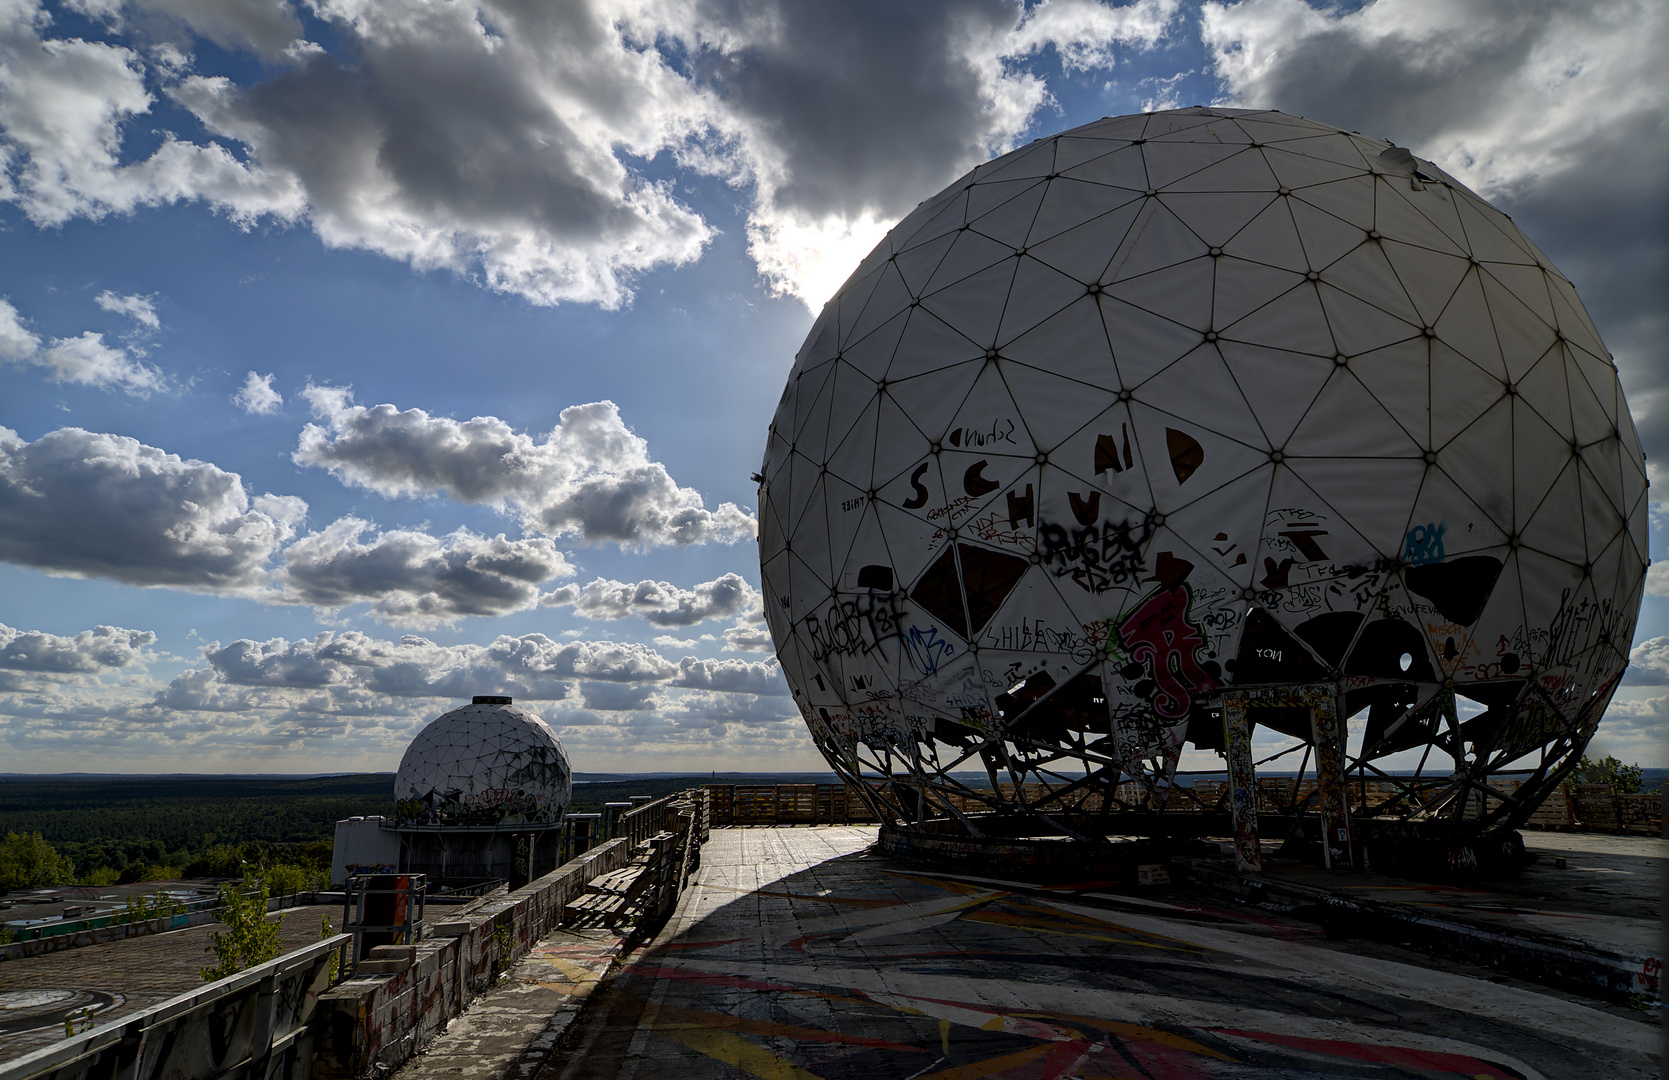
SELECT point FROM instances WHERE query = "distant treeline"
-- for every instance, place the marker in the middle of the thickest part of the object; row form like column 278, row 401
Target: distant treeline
column 143, row 828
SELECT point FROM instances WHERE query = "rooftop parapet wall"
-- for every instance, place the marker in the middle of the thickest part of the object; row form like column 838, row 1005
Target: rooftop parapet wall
column 405, row 994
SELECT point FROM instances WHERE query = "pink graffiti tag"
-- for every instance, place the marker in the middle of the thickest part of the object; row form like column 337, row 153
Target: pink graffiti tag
column 1159, row 635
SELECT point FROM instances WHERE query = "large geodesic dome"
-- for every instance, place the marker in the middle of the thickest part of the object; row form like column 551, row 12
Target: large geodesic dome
column 487, row 764
column 1196, row 407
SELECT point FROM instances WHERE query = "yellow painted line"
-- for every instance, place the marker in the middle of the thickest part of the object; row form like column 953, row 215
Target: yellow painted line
column 1134, row 1033
column 738, row 1052
column 575, row 972
column 670, row 1019
column 976, row 1069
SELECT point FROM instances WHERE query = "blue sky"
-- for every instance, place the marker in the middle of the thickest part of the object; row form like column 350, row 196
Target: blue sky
column 356, row 357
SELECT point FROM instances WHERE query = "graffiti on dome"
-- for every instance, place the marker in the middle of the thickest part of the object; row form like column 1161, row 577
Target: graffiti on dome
column 853, row 626
column 1424, row 544
column 1096, row 557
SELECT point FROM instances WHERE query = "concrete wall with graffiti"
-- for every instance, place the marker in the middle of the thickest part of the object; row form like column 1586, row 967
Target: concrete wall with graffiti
column 1182, row 402
column 255, row 1023
column 376, row 1021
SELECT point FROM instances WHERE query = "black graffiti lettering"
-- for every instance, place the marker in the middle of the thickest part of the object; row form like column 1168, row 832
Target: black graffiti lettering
column 919, row 499
column 854, row 627
column 1096, row 557
column 1087, row 509
column 974, row 481
column 1022, row 507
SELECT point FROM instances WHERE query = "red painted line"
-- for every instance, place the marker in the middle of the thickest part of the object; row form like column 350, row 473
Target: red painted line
column 701, row 944
column 1405, row 1057
column 734, row 982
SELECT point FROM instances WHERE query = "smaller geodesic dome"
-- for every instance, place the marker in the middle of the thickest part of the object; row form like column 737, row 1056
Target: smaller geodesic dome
column 488, row 764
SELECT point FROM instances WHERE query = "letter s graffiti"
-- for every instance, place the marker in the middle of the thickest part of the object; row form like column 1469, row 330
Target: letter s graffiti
column 919, row 499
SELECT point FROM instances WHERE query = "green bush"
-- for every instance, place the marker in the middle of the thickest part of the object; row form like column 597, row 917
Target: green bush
column 250, row 938
column 1622, row 779
column 145, row 908
column 286, row 879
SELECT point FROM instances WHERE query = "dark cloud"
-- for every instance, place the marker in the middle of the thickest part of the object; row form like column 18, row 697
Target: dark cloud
column 503, row 139
column 414, row 579
column 86, row 504
column 1550, row 108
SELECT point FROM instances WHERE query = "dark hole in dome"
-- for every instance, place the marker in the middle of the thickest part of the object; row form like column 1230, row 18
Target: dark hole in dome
column 1330, row 634
column 1205, row 728
column 1187, row 455
column 951, row 733
column 940, row 594
column 875, row 577
column 1381, row 648
column 1459, row 588
column 1501, row 702
column 987, row 579
column 1080, row 705
column 1268, row 654
column 1386, row 705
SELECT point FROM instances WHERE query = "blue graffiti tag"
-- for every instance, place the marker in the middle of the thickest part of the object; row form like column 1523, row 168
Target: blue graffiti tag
column 1424, row 544
column 926, row 649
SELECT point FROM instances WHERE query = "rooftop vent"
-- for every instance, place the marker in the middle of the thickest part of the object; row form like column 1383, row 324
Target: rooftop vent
column 489, row 699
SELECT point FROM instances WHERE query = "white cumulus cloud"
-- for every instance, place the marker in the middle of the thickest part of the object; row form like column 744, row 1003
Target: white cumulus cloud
column 82, row 359
column 257, row 397
column 660, row 602
column 86, row 504
column 591, row 476
column 732, row 676
column 141, row 309
column 103, row 648
column 1648, row 663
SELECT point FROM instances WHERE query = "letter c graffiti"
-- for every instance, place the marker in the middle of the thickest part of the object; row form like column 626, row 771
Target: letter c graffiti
column 974, row 483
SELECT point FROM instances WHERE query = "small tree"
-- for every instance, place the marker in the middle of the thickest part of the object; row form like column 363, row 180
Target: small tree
column 286, row 879
column 27, row 861
column 250, row 938
column 1622, row 779
column 145, row 908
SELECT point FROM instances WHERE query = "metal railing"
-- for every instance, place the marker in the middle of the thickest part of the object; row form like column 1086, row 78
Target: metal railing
column 382, row 909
